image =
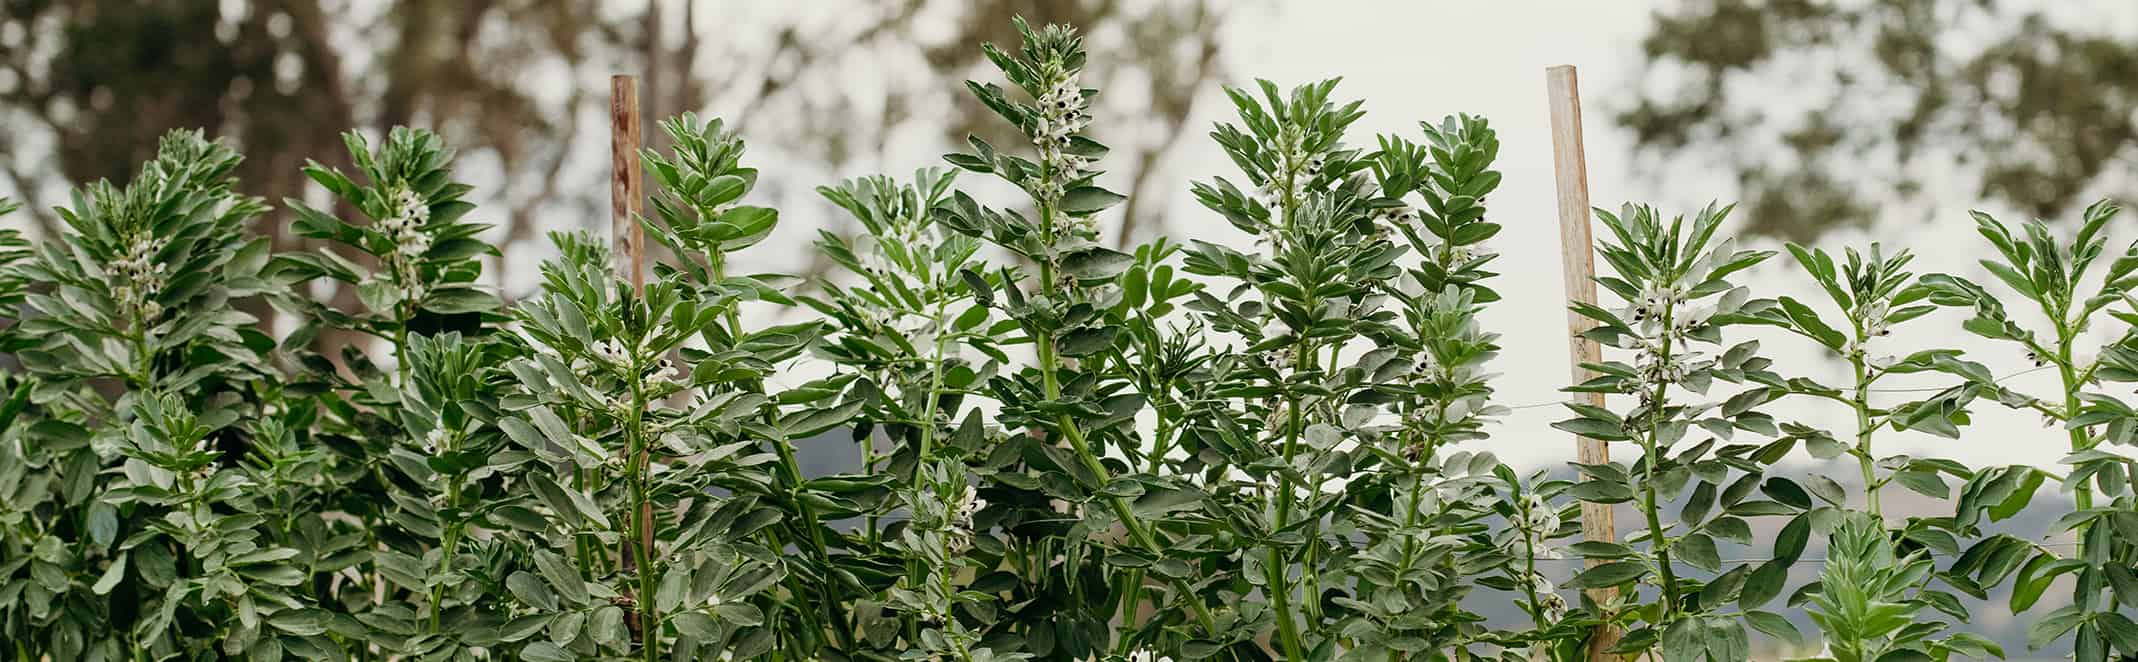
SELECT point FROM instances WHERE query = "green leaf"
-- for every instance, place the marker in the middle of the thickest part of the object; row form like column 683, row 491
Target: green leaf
column 2054, row 625
column 1607, row 575
column 113, row 574
column 1156, row 502
column 543, row 651
column 1601, row 491
column 301, row 622
column 1808, row 321
column 607, row 626
column 531, row 590
column 1774, row 625
column 1089, row 199
column 1764, row 584
column 1096, row 263
column 457, row 300
column 1086, row 341
column 1593, row 428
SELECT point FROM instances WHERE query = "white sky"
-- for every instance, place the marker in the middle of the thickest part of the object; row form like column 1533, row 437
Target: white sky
column 1420, row 61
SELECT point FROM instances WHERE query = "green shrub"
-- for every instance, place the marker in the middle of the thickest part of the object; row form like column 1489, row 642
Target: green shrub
column 1065, row 451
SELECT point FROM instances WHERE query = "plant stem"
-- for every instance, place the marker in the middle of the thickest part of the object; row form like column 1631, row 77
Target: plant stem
column 927, row 425
column 446, row 550
column 1132, row 598
column 2083, row 492
column 791, row 468
column 1659, row 540
column 1050, row 383
column 641, row 532
column 1137, row 530
column 1862, row 404
column 1276, row 569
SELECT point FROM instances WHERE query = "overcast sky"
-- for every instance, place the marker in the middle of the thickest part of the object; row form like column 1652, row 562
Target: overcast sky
column 1412, row 61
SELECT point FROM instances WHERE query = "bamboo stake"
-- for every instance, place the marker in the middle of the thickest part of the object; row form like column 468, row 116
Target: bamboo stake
column 627, row 254
column 627, row 183
column 1578, row 255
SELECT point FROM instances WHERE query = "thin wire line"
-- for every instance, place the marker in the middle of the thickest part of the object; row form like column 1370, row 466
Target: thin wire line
column 1915, row 389
column 1821, row 559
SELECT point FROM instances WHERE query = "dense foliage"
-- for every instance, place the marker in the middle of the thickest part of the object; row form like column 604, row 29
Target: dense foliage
column 1062, row 451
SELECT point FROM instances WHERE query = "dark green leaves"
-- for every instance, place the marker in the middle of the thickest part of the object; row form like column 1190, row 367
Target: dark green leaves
column 1616, row 573
column 1089, row 200
column 1096, row 263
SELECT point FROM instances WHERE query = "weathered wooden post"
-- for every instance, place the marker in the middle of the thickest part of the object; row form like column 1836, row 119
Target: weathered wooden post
column 1578, row 256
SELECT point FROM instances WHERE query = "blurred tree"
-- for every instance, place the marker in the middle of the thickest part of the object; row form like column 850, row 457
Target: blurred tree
column 1826, row 111
column 86, row 85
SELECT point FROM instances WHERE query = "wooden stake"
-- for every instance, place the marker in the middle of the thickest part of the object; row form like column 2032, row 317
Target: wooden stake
column 1578, row 255
column 627, row 183
column 627, row 254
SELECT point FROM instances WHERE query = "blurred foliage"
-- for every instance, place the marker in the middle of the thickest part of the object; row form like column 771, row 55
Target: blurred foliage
column 1824, row 110
column 87, row 85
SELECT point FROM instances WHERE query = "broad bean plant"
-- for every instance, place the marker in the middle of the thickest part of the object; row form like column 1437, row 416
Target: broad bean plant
column 1272, row 441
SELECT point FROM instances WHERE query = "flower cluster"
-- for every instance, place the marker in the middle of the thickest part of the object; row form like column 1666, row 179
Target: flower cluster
column 1404, row 215
column 140, row 277
column 1873, row 318
column 1538, row 520
column 1063, row 112
column 958, row 531
column 435, row 440
column 1296, row 167
column 1548, row 596
column 405, row 225
column 1654, row 367
column 611, row 350
column 1655, row 303
column 1451, row 255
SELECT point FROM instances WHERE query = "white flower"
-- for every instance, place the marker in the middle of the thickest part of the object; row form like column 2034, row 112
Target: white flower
column 412, row 244
column 1063, row 114
column 610, row 350
column 1874, row 315
column 1548, row 598
column 413, row 207
column 404, row 226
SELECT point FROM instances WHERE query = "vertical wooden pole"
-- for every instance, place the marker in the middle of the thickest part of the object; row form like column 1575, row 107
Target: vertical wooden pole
column 627, row 183
column 627, row 255
column 1578, row 254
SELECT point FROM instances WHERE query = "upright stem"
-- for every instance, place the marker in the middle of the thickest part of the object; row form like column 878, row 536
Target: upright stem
column 1431, row 445
column 2079, row 441
column 927, row 423
column 1864, row 459
column 2083, row 494
column 1132, row 598
column 1276, row 569
column 641, row 505
column 1652, row 457
column 1050, row 383
column 791, row 468
column 446, row 550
